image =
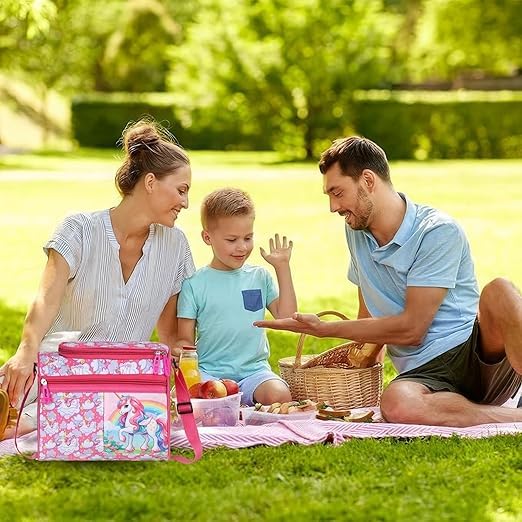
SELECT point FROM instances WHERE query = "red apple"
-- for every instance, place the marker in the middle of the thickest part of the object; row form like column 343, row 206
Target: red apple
column 212, row 390
column 231, row 386
column 194, row 390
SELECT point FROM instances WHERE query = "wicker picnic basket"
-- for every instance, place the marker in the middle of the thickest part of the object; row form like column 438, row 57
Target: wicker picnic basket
column 334, row 376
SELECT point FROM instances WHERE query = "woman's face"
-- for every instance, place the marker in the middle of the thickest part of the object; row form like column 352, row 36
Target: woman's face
column 170, row 195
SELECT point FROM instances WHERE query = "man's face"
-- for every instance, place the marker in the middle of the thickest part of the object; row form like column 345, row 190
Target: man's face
column 348, row 197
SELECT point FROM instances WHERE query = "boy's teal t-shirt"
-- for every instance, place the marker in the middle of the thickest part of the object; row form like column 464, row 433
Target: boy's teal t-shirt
column 224, row 305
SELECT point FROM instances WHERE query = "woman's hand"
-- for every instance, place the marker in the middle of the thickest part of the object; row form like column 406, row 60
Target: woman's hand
column 280, row 253
column 18, row 370
column 18, row 374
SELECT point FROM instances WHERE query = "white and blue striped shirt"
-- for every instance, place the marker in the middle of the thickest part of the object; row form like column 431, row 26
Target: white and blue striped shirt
column 97, row 301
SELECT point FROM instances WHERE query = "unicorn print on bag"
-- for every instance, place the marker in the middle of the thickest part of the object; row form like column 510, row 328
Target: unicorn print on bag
column 136, row 425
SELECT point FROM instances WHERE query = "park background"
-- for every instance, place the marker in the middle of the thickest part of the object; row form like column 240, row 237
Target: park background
column 254, row 91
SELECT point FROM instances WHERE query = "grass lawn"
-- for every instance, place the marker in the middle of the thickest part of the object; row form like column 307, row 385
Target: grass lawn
column 361, row 480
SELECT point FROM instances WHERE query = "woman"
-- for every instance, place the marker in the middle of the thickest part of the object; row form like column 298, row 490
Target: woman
column 114, row 274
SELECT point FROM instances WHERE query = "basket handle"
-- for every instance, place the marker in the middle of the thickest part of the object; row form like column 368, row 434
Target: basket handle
column 300, row 343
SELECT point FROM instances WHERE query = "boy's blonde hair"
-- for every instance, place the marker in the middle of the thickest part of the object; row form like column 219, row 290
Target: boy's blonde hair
column 226, row 202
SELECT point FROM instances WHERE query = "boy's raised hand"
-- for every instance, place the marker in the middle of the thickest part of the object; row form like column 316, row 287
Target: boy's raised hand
column 280, row 253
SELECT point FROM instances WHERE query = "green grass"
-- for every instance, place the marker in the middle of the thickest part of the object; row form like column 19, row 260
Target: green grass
column 429, row 479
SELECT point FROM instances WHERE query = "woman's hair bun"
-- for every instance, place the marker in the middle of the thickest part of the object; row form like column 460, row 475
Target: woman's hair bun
column 149, row 147
column 138, row 137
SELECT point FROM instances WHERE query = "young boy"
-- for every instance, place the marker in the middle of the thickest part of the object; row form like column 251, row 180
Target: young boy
column 223, row 299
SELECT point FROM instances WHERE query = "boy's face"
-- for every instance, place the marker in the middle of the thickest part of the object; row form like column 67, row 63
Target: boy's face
column 232, row 241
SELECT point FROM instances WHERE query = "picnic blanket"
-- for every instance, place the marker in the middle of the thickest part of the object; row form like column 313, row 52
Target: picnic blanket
column 305, row 432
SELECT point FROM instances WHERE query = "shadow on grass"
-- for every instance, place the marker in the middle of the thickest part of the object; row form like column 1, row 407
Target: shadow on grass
column 11, row 320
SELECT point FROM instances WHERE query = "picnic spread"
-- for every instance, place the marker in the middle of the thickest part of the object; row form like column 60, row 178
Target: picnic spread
column 326, row 409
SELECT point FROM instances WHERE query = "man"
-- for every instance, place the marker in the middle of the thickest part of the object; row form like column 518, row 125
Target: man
column 458, row 353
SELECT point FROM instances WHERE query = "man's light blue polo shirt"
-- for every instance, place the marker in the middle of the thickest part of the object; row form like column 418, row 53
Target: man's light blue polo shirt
column 430, row 249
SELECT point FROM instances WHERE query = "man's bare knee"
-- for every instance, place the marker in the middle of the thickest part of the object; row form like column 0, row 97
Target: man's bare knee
column 496, row 291
column 403, row 402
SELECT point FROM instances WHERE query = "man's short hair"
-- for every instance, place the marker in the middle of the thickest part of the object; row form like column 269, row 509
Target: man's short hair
column 354, row 154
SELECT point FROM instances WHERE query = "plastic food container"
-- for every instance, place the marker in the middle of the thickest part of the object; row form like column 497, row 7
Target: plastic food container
column 214, row 412
column 257, row 418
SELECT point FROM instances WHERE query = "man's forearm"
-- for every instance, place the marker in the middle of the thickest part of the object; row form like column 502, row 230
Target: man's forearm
column 396, row 329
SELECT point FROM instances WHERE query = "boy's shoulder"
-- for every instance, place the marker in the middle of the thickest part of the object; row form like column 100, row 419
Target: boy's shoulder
column 250, row 269
column 199, row 273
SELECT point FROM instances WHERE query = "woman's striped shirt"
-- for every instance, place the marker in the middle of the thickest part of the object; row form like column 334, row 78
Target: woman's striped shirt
column 97, row 302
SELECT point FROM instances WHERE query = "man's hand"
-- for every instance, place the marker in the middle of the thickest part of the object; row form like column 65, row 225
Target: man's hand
column 280, row 253
column 309, row 324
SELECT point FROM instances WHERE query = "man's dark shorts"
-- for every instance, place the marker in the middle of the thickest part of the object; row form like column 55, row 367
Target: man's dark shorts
column 462, row 371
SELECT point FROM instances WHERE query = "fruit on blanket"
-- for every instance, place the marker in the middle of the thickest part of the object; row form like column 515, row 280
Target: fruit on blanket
column 195, row 390
column 231, row 386
column 213, row 389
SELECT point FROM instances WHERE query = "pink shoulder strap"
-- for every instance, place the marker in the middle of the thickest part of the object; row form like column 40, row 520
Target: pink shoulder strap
column 184, row 409
column 26, row 455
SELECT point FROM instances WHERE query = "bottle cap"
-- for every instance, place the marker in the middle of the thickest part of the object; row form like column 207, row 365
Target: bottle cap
column 189, row 347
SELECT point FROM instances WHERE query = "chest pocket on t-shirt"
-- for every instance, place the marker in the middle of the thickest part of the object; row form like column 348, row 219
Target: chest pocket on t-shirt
column 252, row 300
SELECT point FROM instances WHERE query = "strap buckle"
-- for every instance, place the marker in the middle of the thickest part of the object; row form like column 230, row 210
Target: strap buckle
column 184, row 407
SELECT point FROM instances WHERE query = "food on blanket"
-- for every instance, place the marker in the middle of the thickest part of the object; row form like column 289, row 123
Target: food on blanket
column 330, row 412
column 194, row 390
column 231, row 386
column 307, row 405
column 274, row 406
column 335, row 415
column 286, row 408
column 320, row 416
column 361, row 416
column 364, row 356
column 213, row 389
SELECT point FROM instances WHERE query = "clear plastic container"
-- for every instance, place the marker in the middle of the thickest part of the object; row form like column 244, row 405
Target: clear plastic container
column 215, row 412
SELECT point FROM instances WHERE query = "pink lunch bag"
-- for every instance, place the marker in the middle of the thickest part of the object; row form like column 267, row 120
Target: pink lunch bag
column 109, row 401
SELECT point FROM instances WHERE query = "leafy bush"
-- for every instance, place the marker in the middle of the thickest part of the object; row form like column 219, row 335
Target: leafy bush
column 98, row 120
column 423, row 125
column 407, row 124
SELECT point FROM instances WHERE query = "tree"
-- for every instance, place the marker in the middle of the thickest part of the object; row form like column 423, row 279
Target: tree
column 136, row 57
column 282, row 67
column 457, row 37
column 62, row 50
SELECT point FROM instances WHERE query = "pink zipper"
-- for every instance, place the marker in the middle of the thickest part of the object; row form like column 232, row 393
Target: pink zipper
column 121, row 354
column 101, row 383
